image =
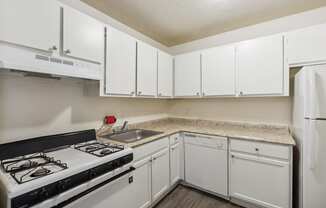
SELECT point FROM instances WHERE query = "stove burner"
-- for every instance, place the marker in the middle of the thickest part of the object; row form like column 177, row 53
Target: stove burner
column 40, row 172
column 98, row 149
column 28, row 164
column 29, row 167
column 106, row 152
column 91, row 148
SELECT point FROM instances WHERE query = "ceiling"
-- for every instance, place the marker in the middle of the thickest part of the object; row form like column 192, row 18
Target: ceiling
column 173, row 22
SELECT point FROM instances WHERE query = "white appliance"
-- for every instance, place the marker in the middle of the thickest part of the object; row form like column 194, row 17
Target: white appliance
column 206, row 163
column 309, row 128
column 19, row 58
column 62, row 177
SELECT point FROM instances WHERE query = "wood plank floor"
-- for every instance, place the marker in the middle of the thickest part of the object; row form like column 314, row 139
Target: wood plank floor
column 184, row 197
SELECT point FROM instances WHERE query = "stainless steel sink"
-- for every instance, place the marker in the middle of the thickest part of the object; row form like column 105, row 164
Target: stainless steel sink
column 132, row 135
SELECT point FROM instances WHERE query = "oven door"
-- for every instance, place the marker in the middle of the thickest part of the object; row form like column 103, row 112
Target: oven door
column 109, row 194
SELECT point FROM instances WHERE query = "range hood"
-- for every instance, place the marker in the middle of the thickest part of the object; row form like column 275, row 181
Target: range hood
column 38, row 63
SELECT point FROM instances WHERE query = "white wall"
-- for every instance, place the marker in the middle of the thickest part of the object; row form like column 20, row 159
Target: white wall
column 262, row 110
column 31, row 107
column 284, row 24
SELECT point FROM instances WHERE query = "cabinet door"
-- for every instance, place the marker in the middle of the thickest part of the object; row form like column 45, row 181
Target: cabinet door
column 33, row 23
column 175, row 166
column 83, row 36
column 160, row 173
column 260, row 181
column 213, row 161
column 146, row 69
column 164, row 75
column 306, row 45
column 260, row 66
column 218, row 71
column 140, row 191
column 187, row 75
column 120, row 63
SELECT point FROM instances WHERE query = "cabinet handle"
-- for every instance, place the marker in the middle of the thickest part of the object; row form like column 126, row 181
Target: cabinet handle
column 197, row 93
column 53, row 48
column 67, row 51
column 241, row 93
column 154, row 158
column 256, row 149
column 132, row 93
column 139, row 93
column 203, row 94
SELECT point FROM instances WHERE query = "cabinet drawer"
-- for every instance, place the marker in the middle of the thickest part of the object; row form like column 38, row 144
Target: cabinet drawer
column 259, row 148
column 174, row 139
column 206, row 140
column 150, row 148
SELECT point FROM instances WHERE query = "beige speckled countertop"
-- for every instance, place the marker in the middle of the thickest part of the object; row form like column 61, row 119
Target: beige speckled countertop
column 247, row 131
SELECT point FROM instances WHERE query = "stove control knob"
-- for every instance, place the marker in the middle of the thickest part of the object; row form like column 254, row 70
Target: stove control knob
column 92, row 174
column 44, row 193
column 116, row 164
column 62, row 186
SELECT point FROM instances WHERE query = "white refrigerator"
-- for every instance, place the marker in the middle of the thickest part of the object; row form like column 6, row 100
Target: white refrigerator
column 309, row 128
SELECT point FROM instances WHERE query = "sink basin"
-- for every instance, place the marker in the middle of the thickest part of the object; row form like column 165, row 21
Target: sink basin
column 132, row 135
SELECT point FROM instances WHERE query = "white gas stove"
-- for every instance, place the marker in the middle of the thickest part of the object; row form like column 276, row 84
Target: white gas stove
column 59, row 177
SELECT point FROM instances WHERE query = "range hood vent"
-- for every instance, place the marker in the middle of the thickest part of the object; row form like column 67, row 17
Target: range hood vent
column 42, row 64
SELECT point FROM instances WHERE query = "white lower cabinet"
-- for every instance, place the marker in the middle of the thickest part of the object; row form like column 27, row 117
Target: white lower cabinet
column 175, row 163
column 160, row 174
column 176, row 159
column 261, row 180
column 141, row 187
column 206, row 163
column 260, row 174
column 152, row 176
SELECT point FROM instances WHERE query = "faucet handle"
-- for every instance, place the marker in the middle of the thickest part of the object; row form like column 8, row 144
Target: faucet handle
column 124, row 126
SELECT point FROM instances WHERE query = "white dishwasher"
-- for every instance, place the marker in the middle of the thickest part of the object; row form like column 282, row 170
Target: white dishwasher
column 206, row 162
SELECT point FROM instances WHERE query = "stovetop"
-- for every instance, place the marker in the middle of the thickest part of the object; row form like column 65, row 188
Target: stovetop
column 20, row 175
column 98, row 149
column 31, row 167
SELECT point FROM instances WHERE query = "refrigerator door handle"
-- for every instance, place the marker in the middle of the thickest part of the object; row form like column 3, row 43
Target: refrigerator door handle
column 313, row 151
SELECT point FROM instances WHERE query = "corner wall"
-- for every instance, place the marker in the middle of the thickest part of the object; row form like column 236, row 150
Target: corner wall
column 256, row 110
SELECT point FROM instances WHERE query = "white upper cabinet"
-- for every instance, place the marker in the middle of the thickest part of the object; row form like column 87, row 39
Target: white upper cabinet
column 32, row 23
column 120, row 73
column 83, row 36
column 261, row 66
column 164, row 75
column 187, row 75
column 306, row 46
column 218, row 71
column 146, row 69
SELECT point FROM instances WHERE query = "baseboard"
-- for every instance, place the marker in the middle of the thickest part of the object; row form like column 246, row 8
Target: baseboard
column 184, row 183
